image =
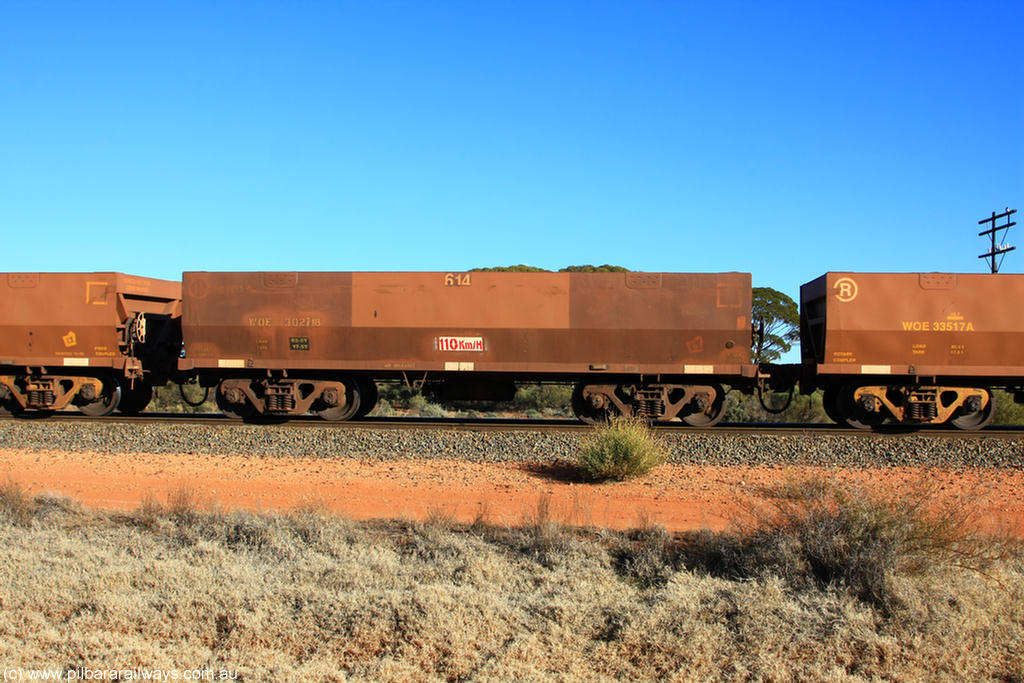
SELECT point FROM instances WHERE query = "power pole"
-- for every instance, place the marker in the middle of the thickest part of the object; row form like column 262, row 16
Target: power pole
column 997, row 249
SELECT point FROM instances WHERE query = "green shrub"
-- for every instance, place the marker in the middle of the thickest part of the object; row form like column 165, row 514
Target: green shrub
column 167, row 399
column 1007, row 411
column 432, row 410
column 397, row 394
column 619, row 450
column 555, row 399
column 382, row 409
column 801, row 410
column 416, row 403
column 420, row 405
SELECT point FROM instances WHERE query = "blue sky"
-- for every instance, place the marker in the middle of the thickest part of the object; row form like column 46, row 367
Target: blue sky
column 783, row 138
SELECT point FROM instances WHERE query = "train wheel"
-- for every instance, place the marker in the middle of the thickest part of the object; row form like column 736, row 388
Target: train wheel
column 10, row 406
column 134, row 399
column 104, row 404
column 587, row 408
column 707, row 410
column 239, row 409
column 367, row 398
column 344, row 411
column 855, row 415
column 830, row 404
column 976, row 419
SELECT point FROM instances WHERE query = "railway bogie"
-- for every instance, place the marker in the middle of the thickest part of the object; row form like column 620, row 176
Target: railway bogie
column 341, row 398
column 700, row 405
column 872, row 405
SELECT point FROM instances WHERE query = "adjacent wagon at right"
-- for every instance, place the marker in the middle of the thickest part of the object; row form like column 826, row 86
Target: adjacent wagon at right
column 912, row 348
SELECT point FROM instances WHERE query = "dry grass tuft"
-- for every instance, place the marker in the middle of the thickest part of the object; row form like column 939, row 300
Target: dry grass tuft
column 309, row 521
column 621, row 449
column 183, row 504
column 149, row 513
column 813, row 532
column 441, row 516
column 481, row 518
column 648, row 556
column 15, row 504
column 544, row 538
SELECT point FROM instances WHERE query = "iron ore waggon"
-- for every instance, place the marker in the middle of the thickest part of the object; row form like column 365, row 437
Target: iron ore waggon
column 905, row 348
column 912, row 348
column 96, row 341
column 657, row 345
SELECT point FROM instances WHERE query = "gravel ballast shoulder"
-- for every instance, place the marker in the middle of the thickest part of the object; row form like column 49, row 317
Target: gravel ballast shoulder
column 514, row 445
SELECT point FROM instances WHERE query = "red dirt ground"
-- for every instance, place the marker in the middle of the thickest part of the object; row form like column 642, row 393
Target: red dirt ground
column 678, row 497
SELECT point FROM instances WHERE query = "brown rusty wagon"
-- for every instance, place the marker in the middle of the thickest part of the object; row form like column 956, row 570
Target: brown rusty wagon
column 657, row 345
column 95, row 341
column 912, row 348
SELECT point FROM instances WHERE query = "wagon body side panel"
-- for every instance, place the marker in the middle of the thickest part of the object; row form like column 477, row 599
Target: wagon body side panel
column 75, row 319
column 934, row 324
column 532, row 323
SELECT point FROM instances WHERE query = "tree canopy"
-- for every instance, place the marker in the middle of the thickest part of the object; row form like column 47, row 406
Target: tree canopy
column 521, row 268
column 606, row 268
column 594, row 269
column 781, row 320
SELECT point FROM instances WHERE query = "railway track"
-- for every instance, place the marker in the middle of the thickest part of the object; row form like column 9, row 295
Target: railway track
column 511, row 424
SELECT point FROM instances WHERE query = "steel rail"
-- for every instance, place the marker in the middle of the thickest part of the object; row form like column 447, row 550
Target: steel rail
column 513, row 424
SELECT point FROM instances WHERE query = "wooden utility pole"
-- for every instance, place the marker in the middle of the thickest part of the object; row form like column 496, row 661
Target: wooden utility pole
column 997, row 249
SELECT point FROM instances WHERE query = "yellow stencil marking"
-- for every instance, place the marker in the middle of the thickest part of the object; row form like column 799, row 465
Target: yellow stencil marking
column 96, row 293
column 845, row 289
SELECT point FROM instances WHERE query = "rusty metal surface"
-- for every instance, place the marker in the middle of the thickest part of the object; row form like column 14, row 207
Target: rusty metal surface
column 545, row 323
column 71, row 319
column 923, row 324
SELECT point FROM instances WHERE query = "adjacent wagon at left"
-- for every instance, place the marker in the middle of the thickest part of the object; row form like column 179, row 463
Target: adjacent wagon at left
column 99, row 342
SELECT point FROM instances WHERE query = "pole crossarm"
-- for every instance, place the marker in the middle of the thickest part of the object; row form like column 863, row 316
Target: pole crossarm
column 997, row 249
